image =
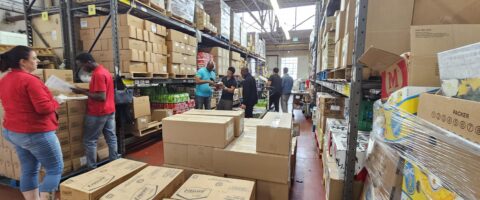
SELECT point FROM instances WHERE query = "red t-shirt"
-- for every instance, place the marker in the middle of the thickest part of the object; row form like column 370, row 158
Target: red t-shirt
column 101, row 82
column 29, row 106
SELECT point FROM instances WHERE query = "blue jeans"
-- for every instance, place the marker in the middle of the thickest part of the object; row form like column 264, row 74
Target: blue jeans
column 202, row 103
column 33, row 150
column 93, row 126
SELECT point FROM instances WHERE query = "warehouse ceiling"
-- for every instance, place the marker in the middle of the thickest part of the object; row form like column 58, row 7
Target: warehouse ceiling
column 255, row 5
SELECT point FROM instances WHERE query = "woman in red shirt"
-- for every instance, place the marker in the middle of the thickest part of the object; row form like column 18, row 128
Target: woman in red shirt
column 30, row 123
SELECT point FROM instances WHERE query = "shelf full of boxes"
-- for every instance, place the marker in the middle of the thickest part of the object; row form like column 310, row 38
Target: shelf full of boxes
column 151, row 46
column 419, row 130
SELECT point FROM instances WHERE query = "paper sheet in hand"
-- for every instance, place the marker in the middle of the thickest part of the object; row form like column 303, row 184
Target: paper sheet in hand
column 58, row 84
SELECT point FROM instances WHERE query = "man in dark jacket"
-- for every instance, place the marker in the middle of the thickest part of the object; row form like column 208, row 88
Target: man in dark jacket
column 249, row 93
column 275, row 84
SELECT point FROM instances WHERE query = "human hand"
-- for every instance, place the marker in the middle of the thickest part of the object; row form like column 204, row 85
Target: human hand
column 60, row 99
column 77, row 90
column 243, row 106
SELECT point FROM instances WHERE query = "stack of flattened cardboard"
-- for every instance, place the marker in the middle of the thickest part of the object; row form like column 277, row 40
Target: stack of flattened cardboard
column 182, row 51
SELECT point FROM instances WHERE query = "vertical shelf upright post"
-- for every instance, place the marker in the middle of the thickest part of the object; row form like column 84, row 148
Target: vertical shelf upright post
column 355, row 97
column 27, row 7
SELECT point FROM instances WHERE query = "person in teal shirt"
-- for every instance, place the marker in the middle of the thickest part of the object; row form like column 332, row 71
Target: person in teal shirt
column 204, row 78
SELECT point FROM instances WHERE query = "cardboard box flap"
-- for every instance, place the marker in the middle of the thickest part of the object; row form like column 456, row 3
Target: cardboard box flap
column 378, row 59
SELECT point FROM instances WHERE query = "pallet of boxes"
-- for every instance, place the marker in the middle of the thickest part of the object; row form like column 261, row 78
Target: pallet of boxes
column 223, row 143
column 202, row 20
column 182, row 54
column 181, row 10
column 221, row 57
column 236, row 22
column 236, row 61
column 219, row 12
column 142, row 46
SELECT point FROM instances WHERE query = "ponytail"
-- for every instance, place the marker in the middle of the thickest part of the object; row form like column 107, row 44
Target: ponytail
column 11, row 59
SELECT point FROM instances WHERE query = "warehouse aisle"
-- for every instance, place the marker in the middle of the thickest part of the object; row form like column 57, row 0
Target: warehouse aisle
column 308, row 176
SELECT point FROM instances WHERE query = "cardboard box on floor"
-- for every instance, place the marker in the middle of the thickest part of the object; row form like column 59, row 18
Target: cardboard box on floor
column 426, row 42
column 268, row 190
column 198, row 130
column 334, row 184
column 238, row 117
column 190, row 171
column 240, row 158
column 160, row 114
column 152, row 182
column 275, row 135
column 212, row 187
column 192, row 156
column 94, row 184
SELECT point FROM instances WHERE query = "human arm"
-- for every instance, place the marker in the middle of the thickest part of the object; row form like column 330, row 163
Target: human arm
column 97, row 91
column 42, row 100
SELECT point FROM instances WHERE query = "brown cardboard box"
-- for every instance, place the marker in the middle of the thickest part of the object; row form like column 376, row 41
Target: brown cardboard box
column 39, row 73
column 174, row 68
column 62, row 125
column 123, row 32
column 96, row 183
column 139, row 32
column 152, row 182
column 130, row 20
column 51, row 31
column 159, row 114
column 77, row 150
column 66, row 75
column 75, row 122
column 76, row 136
column 161, row 30
column 428, row 12
column 237, row 115
column 334, row 184
column 192, row 41
column 87, row 34
column 102, row 154
column 125, row 55
column 213, row 187
column 275, row 135
column 337, row 62
column 90, row 23
column 173, row 35
column 388, row 25
column 129, row 43
column 189, row 171
column 128, row 66
column 64, row 139
column 78, row 163
column 76, row 107
column 141, row 106
column 240, row 158
column 141, row 123
column 200, row 157
column 175, row 154
column 450, row 109
column 174, row 46
column 177, row 58
column 198, row 130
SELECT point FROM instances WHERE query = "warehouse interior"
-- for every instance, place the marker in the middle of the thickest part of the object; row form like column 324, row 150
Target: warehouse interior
column 240, row 99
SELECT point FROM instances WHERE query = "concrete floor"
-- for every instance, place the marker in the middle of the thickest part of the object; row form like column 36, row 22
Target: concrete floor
column 308, row 176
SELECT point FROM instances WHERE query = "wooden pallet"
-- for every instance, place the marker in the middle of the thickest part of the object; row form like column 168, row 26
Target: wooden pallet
column 160, row 75
column 178, row 76
column 210, row 32
column 180, row 19
column 153, row 6
column 151, row 128
column 133, row 75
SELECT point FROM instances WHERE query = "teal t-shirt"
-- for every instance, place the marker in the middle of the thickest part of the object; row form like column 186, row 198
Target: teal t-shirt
column 204, row 90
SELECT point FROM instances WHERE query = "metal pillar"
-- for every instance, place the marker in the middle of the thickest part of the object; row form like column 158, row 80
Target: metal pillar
column 68, row 36
column 355, row 97
column 116, row 64
column 27, row 7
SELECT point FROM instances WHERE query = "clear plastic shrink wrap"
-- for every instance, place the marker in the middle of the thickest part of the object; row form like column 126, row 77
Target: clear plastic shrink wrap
column 423, row 162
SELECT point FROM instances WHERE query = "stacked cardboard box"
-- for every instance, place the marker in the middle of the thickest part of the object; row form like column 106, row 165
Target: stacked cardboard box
column 51, row 31
column 202, row 19
column 262, row 153
column 221, row 58
column 142, row 44
column 328, row 106
column 182, row 51
column 145, row 122
column 220, row 15
column 183, row 9
column 213, row 187
column 328, row 45
column 243, row 35
column 253, row 39
column 236, row 61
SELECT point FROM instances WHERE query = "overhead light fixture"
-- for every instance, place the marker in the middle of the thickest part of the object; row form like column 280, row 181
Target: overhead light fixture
column 276, row 11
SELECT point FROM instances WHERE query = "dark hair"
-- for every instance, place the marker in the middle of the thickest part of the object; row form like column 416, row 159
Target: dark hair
column 85, row 57
column 275, row 69
column 11, row 59
column 285, row 70
column 232, row 69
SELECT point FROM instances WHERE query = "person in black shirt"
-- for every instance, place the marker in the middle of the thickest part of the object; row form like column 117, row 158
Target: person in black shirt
column 250, row 97
column 275, row 83
column 229, row 84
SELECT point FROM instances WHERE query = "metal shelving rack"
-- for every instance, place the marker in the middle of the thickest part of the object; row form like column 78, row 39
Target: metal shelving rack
column 69, row 10
column 353, row 90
